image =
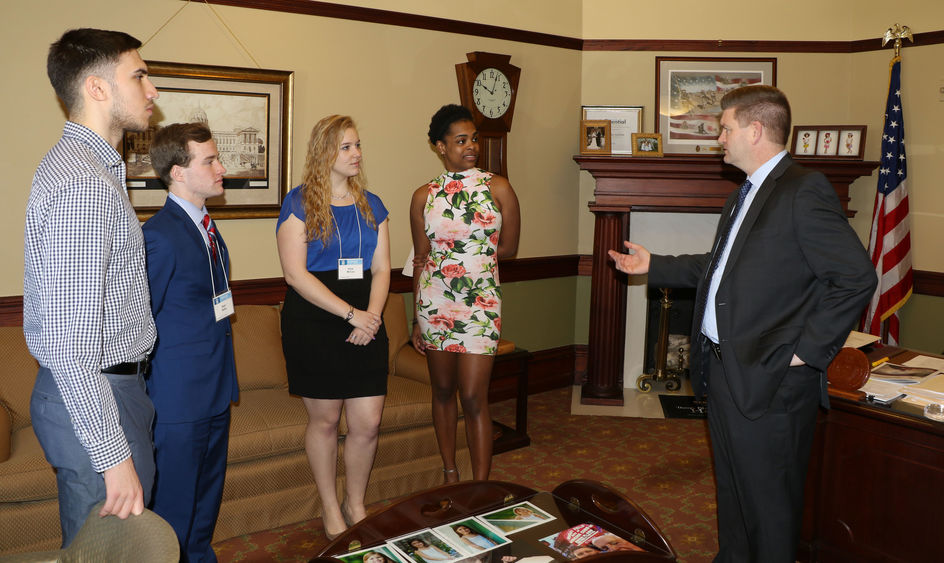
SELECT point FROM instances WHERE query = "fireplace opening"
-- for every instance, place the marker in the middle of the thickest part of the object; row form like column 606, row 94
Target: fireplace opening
column 679, row 320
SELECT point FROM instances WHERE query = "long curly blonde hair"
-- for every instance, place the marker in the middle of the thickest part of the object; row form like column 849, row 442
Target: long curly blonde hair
column 323, row 147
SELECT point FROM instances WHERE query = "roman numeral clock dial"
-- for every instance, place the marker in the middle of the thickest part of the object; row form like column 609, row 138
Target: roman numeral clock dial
column 488, row 86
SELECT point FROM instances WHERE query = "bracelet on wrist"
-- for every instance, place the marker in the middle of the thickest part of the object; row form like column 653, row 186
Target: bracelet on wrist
column 350, row 314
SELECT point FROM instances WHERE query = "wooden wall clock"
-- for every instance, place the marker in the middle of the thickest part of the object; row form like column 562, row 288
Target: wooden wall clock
column 488, row 86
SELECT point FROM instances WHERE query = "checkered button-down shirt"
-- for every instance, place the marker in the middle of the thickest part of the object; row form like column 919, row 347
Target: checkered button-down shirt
column 86, row 304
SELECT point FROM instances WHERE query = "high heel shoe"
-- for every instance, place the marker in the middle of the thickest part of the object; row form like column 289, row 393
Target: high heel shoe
column 331, row 536
column 344, row 514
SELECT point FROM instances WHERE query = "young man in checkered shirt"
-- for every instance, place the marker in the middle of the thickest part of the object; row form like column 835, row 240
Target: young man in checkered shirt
column 86, row 306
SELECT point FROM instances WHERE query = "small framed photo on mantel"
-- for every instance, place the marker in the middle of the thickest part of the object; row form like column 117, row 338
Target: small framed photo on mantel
column 593, row 137
column 647, row 144
column 829, row 141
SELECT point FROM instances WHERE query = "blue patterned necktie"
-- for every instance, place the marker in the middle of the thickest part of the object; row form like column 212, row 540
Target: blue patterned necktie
column 719, row 249
column 726, row 233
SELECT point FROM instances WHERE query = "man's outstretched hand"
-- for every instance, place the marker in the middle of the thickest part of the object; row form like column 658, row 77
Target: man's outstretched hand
column 636, row 262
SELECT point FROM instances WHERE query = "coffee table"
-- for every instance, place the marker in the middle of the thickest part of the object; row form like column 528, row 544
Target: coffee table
column 571, row 503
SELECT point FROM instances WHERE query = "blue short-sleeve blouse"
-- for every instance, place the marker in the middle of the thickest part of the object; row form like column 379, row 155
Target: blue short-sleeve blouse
column 324, row 257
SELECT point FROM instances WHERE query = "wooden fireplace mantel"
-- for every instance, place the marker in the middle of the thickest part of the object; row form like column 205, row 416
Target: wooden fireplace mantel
column 679, row 184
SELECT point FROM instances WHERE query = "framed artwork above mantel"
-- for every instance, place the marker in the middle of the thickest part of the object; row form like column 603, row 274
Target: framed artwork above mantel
column 688, row 97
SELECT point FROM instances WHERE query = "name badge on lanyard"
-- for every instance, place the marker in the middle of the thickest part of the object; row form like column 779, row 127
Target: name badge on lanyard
column 223, row 305
column 350, row 268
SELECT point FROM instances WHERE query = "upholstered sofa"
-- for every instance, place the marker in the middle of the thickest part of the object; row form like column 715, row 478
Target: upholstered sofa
column 268, row 481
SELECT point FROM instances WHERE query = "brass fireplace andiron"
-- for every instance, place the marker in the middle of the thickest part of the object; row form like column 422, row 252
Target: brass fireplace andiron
column 661, row 372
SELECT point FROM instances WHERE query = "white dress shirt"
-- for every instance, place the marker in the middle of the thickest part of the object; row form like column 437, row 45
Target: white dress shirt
column 709, row 325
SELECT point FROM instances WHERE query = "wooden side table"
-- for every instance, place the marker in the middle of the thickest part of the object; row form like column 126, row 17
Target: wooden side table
column 513, row 364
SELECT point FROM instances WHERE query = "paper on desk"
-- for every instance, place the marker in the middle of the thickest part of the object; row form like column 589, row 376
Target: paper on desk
column 897, row 373
column 881, row 391
column 916, row 401
column 926, row 362
column 858, row 339
column 932, row 388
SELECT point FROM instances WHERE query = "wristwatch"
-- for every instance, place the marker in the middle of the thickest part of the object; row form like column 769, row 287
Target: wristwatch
column 350, row 315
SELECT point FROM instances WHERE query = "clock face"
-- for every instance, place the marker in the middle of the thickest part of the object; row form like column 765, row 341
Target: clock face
column 492, row 93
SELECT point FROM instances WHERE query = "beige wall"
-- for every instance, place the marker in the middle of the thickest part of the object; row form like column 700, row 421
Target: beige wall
column 391, row 79
column 823, row 89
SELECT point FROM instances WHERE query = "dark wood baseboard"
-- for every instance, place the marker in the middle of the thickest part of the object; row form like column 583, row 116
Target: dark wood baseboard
column 929, row 283
column 11, row 310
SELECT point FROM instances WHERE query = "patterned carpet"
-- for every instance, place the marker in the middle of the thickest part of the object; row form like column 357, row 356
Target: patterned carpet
column 663, row 465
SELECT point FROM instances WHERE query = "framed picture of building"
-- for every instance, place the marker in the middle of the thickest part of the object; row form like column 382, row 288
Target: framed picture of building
column 249, row 114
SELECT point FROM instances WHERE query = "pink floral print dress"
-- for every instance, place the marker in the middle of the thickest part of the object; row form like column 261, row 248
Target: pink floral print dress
column 458, row 297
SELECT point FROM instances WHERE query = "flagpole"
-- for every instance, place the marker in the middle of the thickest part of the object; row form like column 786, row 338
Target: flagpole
column 889, row 237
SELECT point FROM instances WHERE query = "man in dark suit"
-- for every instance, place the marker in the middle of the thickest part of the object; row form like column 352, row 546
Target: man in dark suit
column 193, row 376
column 786, row 280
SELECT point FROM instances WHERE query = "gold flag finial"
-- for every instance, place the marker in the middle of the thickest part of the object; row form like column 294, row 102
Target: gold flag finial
column 897, row 32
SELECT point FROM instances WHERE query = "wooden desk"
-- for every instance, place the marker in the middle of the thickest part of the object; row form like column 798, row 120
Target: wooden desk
column 875, row 489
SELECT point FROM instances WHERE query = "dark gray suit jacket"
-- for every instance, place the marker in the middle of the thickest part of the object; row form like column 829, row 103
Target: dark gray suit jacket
column 796, row 281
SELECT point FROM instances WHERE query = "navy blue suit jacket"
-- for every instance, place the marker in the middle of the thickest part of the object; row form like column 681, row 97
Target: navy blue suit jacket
column 193, row 372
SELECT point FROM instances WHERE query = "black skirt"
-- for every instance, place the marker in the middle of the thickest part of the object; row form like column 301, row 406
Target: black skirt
column 320, row 364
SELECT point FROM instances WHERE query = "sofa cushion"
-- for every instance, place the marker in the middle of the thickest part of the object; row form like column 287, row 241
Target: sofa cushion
column 408, row 405
column 17, row 374
column 412, row 365
column 398, row 332
column 257, row 341
column 266, row 422
column 26, row 476
column 6, row 433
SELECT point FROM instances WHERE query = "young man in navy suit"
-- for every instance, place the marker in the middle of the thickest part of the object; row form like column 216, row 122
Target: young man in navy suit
column 776, row 297
column 193, row 376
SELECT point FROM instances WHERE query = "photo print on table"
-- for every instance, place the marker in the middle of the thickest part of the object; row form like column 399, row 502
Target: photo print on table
column 473, row 536
column 425, row 546
column 378, row 554
column 517, row 517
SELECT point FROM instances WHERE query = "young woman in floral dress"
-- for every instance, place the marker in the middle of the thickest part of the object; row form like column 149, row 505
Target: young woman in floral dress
column 462, row 222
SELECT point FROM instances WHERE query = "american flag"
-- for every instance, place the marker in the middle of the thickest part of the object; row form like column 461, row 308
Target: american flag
column 890, row 238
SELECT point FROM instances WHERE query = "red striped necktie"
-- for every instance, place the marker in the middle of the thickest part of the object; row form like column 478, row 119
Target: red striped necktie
column 211, row 234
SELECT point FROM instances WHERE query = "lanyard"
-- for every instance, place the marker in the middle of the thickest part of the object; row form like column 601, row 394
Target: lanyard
column 357, row 220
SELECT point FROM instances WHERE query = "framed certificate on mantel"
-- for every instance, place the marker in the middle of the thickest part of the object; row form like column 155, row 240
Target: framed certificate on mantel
column 624, row 121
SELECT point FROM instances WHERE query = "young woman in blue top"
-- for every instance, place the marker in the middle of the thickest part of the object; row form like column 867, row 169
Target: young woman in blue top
column 334, row 249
